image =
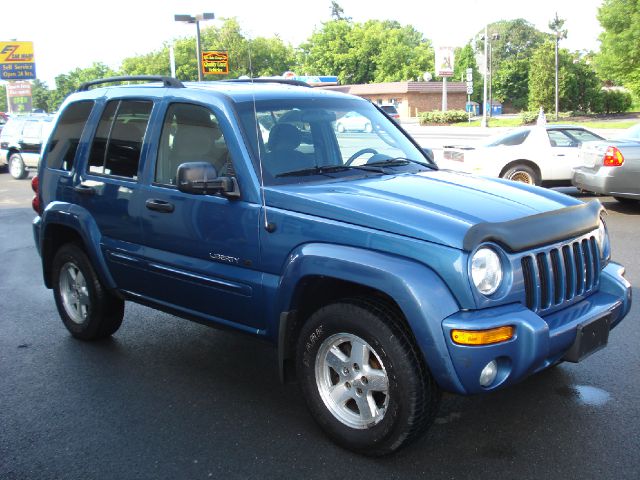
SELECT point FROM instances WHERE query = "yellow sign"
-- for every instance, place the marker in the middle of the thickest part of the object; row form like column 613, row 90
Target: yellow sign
column 215, row 62
column 17, row 61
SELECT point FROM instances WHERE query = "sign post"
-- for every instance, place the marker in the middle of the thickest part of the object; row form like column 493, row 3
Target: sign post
column 444, row 69
column 469, row 90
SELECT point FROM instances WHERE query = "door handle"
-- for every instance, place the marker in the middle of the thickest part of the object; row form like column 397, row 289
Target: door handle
column 84, row 189
column 159, row 205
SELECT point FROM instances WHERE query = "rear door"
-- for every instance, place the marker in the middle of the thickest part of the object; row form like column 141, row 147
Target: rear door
column 108, row 186
column 201, row 251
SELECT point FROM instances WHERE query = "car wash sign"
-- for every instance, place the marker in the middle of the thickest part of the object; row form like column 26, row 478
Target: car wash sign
column 17, row 61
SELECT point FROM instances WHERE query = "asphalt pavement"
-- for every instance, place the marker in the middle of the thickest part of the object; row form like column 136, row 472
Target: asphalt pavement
column 169, row 399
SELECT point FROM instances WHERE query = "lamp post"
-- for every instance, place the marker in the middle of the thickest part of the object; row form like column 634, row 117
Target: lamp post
column 556, row 25
column 484, row 96
column 494, row 36
column 196, row 19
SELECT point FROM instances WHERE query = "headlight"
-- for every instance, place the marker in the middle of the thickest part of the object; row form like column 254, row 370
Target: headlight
column 486, row 271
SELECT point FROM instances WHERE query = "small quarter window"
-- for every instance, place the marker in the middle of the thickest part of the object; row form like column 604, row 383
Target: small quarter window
column 62, row 147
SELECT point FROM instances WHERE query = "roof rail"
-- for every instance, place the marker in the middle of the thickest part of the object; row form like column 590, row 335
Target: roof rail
column 166, row 81
column 286, row 81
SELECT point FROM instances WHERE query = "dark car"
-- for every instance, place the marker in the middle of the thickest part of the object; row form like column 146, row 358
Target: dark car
column 392, row 111
column 21, row 140
column 380, row 279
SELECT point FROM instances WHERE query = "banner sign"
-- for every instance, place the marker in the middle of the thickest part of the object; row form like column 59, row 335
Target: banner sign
column 444, row 61
column 215, row 62
column 17, row 61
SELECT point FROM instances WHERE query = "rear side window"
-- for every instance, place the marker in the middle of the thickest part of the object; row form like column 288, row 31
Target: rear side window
column 511, row 139
column 61, row 149
column 118, row 141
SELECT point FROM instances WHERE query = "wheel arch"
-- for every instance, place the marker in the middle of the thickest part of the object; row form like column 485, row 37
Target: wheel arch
column 414, row 291
column 529, row 163
column 67, row 223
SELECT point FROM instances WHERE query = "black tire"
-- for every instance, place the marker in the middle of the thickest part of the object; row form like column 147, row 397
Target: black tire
column 17, row 168
column 522, row 173
column 403, row 413
column 87, row 309
column 627, row 201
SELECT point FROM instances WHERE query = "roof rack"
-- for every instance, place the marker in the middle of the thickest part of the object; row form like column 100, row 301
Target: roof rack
column 286, row 81
column 169, row 82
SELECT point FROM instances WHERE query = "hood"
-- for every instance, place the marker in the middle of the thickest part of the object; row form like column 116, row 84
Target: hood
column 435, row 206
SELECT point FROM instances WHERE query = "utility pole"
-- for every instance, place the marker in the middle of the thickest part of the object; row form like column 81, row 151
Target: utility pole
column 484, row 96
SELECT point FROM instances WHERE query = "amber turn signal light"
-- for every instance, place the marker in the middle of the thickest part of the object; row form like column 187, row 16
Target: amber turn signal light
column 482, row 337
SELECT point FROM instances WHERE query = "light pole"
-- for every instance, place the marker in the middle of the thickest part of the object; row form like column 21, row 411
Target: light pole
column 556, row 25
column 494, row 36
column 484, row 96
column 196, row 19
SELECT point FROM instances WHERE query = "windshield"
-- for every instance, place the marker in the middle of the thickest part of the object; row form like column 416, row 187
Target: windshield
column 312, row 139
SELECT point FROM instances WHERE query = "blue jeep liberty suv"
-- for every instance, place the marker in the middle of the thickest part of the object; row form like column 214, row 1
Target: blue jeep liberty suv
column 381, row 280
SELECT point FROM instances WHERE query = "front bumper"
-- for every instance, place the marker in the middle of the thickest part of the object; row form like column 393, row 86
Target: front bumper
column 538, row 342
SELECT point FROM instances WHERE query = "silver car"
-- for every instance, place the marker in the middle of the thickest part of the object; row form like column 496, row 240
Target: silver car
column 611, row 167
column 20, row 142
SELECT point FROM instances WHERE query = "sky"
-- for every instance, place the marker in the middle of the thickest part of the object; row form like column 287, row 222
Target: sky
column 68, row 34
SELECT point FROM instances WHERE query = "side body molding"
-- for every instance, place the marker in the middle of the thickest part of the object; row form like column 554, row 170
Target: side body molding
column 421, row 295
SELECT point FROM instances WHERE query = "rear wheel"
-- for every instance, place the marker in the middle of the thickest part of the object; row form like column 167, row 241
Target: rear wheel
column 340, row 128
column 522, row 173
column 17, row 168
column 362, row 377
column 87, row 309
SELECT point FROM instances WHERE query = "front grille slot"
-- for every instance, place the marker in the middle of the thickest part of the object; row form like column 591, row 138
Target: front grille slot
column 556, row 276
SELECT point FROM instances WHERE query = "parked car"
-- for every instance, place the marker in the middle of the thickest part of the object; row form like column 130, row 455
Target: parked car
column 535, row 155
column 392, row 111
column 380, row 279
column 3, row 119
column 21, row 140
column 353, row 122
column 611, row 167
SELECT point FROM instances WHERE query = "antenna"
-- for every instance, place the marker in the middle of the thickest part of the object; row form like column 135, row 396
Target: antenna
column 269, row 227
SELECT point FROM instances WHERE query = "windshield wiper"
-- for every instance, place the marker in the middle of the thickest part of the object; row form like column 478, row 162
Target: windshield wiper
column 400, row 161
column 321, row 170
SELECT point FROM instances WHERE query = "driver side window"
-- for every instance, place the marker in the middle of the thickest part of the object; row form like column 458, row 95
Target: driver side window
column 190, row 133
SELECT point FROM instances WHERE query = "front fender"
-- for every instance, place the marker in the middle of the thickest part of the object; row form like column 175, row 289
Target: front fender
column 79, row 220
column 422, row 296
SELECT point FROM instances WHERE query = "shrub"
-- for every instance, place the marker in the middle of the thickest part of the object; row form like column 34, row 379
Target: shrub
column 442, row 118
column 528, row 118
column 616, row 101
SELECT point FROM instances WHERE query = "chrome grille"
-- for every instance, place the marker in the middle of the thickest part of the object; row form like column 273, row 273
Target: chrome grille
column 560, row 274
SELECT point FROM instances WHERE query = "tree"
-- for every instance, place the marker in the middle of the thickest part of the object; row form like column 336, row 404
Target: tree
column 578, row 85
column 41, row 96
column 374, row 51
column 337, row 12
column 3, row 98
column 619, row 58
column 512, row 45
column 69, row 82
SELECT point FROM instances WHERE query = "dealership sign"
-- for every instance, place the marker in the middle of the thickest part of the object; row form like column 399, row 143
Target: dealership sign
column 17, row 61
column 215, row 62
column 444, row 61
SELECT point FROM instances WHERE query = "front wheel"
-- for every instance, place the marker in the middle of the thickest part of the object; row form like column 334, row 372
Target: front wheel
column 87, row 309
column 362, row 377
column 17, row 169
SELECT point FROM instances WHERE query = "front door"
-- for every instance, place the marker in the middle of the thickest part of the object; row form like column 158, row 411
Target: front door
column 201, row 251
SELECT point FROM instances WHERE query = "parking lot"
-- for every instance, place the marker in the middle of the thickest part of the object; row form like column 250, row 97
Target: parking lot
column 166, row 398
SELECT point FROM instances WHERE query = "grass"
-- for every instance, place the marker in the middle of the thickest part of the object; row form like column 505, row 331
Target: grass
column 515, row 122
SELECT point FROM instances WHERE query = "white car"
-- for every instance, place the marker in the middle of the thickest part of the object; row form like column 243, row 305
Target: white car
column 353, row 122
column 533, row 155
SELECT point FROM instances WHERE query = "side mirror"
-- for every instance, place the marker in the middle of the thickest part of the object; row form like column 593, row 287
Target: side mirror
column 201, row 178
column 428, row 153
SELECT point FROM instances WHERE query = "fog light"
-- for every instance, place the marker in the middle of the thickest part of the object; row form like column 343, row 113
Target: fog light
column 489, row 373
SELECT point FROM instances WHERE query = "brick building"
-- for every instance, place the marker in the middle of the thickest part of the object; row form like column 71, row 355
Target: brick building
column 410, row 98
